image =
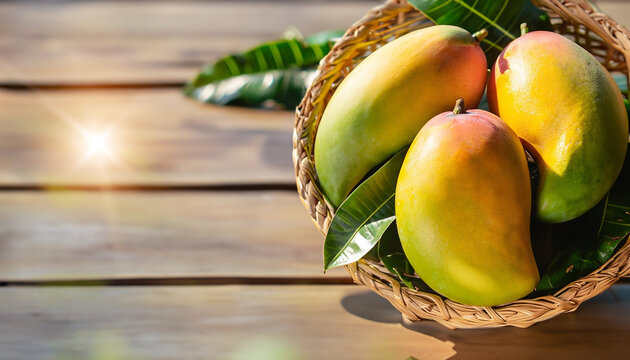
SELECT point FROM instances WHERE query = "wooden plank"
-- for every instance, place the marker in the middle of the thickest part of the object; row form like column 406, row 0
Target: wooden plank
column 139, row 42
column 157, row 137
column 280, row 322
column 103, row 42
column 112, row 235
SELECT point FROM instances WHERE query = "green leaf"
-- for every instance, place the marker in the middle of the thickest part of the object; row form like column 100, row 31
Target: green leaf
column 391, row 253
column 586, row 243
column 363, row 217
column 502, row 19
column 276, row 70
column 574, row 247
column 275, row 87
column 615, row 228
column 275, row 55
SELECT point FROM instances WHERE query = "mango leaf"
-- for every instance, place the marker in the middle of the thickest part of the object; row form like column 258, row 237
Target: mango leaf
column 574, row 247
column 363, row 217
column 391, row 253
column 267, row 89
column 502, row 19
column 581, row 249
column 275, row 55
column 615, row 228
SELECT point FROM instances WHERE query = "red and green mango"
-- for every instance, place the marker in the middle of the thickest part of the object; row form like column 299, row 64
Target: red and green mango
column 463, row 204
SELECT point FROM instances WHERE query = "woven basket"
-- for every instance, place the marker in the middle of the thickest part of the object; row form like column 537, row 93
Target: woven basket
column 575, row 19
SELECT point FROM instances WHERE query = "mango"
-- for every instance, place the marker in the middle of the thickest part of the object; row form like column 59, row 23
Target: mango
column 463, row 207
column 566, row 107
column 380, row 106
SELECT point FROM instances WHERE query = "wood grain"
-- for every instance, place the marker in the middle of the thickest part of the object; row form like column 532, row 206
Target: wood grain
column 108, row 42
column 157, row 137
column 102, row 42
column 112, row 235
column 280, row 322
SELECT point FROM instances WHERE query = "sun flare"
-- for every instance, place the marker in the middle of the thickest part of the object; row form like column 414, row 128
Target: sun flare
column 97, row 145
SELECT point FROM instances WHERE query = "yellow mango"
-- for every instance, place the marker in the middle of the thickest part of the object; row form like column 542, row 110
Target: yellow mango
column 568, row 110
column 380, row 106
column 463, row 204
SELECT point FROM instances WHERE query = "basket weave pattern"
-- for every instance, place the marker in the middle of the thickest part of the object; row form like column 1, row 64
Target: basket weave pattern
column 575, row 19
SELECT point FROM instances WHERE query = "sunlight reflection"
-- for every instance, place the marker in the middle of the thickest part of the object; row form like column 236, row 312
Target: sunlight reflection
column 97, row 145
column 95, row 141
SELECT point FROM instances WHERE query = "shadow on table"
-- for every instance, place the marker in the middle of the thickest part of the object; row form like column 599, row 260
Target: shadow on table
column 600, row 328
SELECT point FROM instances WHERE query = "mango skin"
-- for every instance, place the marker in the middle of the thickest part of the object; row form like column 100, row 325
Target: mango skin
column 566, row 106
column 380, row 106
column 463, row 206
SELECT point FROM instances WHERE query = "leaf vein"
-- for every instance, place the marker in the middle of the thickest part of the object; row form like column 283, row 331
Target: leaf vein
column 485, row 18
column 356, row 231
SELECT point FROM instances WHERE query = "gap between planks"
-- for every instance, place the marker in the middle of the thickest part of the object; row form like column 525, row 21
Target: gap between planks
column 231, row 187
column 15, row 86
column 193, row 281
column 185, row 281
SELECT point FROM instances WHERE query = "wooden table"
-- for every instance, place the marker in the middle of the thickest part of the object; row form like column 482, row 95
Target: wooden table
column 193, row 243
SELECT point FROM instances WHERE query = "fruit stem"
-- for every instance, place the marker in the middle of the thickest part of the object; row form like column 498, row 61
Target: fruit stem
column 480, row 35
column 524, row 29
column 459, row 107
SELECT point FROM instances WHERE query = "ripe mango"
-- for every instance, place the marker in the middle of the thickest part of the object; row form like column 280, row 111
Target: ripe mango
column 380, row 106
column 566, row 107
column 463, row 204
